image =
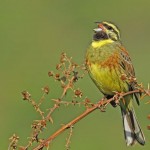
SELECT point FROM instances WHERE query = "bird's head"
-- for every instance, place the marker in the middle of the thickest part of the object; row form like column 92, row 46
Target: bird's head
column 106, row 30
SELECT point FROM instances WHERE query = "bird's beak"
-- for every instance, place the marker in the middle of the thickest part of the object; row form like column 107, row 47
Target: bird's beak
column 100, row 27
column 97, row 30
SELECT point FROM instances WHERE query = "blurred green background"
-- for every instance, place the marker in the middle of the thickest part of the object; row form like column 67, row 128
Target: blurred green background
column 33, row 33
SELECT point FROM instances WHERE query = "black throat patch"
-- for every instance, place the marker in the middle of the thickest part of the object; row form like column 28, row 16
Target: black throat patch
column 100, row 36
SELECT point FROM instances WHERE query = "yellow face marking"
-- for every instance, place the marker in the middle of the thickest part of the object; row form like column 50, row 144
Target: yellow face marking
column 114, row 27
column 96, row 44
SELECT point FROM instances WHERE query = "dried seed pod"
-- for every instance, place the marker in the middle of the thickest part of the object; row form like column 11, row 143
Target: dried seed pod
column 74, row 65
column 58, row 66
column 75, row 74
column 43, row 123
column 63, row 79
column 26, row 95
column 148, row 116
column 63, row 57
column 57, row 75
column 50, row 73
column 87, row 100
column 22, row 148
column 148, row 127
column 78, row 93
column 45, row 89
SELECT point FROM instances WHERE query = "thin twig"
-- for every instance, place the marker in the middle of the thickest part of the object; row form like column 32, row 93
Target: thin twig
column 68, row 140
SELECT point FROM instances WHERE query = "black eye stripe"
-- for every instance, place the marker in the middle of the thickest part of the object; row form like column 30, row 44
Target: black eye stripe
column 111, row 28
column 108, row 27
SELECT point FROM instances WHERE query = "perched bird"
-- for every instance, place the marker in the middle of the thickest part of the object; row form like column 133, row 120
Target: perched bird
column 110, row 67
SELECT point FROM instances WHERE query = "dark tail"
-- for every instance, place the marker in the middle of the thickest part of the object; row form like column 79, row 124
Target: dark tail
column 132, row 130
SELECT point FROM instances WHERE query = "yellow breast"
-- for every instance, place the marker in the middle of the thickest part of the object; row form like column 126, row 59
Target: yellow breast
column 108, row 80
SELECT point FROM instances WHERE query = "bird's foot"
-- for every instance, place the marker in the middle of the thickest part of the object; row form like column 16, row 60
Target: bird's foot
column 117, row 97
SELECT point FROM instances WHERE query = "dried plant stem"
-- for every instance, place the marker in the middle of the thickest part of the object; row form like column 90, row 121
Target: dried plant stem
column 68, row 86
column 101, row 103
column 64, row 127
column 68, row 140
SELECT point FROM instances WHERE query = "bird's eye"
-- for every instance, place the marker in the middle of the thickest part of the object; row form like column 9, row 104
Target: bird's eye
column 109, row 28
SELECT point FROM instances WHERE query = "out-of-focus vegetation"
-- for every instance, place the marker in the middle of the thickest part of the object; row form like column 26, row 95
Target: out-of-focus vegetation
column 34, row 33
